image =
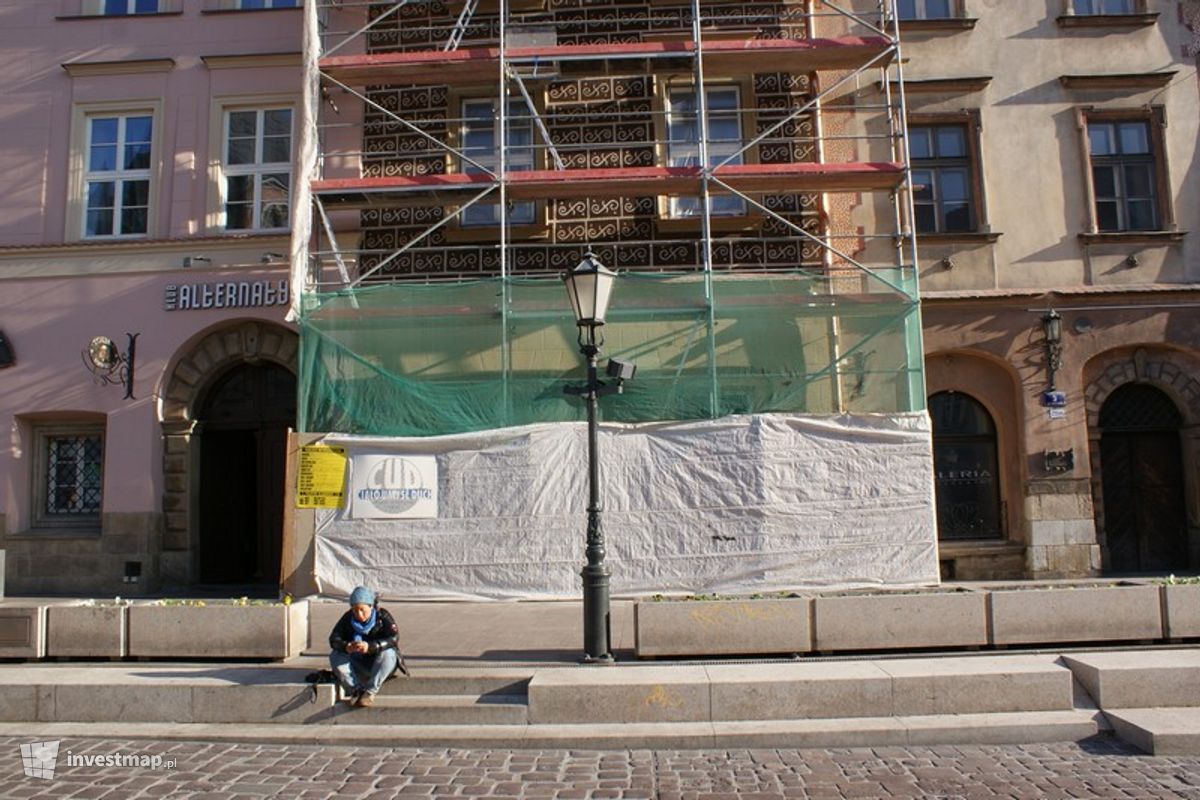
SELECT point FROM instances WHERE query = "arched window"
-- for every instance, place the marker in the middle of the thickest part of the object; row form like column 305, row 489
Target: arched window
column 966, row 468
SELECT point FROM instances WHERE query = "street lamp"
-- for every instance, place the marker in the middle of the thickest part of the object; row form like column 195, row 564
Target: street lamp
column 589, row 287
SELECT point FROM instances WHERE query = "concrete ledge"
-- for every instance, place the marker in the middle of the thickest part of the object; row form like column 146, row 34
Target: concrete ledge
column 86, row 631
column 218, row 631
column 257, row 704
column 722, row 627
column 978, row 685
column 814, row 690
column 616, row 694
column 900, row 621
column 1110, row 613
column 90, row 703
column 1140, row 679
column 22, row 631
column 799, row 691
column 1159, row 731
column 1182, row 610
column 18, row 703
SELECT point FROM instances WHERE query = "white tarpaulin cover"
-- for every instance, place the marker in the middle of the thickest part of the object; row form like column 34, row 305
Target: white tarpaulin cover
column 739, row 504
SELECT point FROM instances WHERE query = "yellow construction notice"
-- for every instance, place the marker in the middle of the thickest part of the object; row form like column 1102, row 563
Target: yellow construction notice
column 321, row 479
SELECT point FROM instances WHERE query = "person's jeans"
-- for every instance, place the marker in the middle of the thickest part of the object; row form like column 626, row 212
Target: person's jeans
column 363, row 671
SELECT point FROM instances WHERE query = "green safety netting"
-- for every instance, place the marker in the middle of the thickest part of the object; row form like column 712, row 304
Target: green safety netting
column 407, row 359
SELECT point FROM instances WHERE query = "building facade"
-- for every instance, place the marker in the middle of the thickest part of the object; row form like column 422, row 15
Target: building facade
column 1059, row 268
column 1040, row 152
column 147, row 369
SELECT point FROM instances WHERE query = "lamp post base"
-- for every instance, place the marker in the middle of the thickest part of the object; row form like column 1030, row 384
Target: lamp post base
column 596, row 625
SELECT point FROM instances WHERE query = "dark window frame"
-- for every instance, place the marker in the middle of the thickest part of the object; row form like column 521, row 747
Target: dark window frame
column 970, row 121
column 1155, row 118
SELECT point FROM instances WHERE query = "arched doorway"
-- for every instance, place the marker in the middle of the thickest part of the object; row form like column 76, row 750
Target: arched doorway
column 966, row 468
column 1141, row 474
column 242, row 425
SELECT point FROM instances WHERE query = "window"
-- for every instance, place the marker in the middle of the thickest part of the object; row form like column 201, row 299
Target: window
column 69, row 476
column 1101, row 7
column 257, row 168
column 117, row 175
column 252, row 4
column 113, row 8
column 925, row 9
column 724, row 140
column 942, row 176
column 1124, row 175
column 966, row 468
column 480, row 142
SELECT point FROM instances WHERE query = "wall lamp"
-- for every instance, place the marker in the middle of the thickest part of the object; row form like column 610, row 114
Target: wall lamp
column 1052, row 329
column 270, row 258
column 191, row 260
column 109, row 365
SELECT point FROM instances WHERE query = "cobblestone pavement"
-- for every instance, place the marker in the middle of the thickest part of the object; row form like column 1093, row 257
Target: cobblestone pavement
column 1100, row 767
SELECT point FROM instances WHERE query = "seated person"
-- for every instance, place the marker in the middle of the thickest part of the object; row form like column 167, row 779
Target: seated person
column 365, row 652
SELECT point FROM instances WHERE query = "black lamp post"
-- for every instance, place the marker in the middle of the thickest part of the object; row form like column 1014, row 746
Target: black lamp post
column 589, row 286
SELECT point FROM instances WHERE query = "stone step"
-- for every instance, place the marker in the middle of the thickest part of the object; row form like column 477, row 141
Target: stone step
column 1139, row 679
column 458, row 682
column 442, row 709
column 1159, row 731
column 948, row 729
column 807, row 690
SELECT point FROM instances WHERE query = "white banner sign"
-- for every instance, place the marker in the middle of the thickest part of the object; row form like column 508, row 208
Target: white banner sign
column 734, row 505
column 394, row 487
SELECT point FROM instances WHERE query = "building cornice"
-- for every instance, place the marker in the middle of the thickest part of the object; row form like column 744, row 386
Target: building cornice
column 1109, row 290
column 964, row 85
column 1129, row 80
column 81, row 69
column 255, row 60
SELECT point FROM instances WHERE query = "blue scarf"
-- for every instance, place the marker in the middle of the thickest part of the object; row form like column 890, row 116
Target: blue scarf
column 362, row 628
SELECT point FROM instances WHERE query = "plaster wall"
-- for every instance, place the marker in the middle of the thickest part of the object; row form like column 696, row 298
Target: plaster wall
column 39, row 97
column 1032, row 161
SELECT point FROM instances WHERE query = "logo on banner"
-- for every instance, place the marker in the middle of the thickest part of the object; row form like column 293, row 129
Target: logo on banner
column 395, row 486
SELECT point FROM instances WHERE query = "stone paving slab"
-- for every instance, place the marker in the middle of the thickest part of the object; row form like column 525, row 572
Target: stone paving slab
column 1099, row 767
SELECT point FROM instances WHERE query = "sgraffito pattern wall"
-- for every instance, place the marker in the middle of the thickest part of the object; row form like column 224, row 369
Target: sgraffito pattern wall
column 601, row 121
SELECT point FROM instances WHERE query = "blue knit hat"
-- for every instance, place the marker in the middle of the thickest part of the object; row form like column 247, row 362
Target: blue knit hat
column 362, row 596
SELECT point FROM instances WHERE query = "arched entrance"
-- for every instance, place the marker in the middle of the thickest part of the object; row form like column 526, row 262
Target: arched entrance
column 966, row 468
column 1141, row 464
column 242, row 425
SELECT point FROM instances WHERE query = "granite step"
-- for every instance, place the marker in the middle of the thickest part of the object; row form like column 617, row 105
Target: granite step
column 1139, row 678
column 441, row 709
column 802, row 691
column 1159, row 731
column 943, row 729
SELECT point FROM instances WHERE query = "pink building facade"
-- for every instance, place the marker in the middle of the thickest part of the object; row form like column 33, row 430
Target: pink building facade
column 147, row 147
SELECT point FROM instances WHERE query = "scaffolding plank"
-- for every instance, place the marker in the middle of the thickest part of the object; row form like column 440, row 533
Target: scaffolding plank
column 729, row 56
column 629, row 182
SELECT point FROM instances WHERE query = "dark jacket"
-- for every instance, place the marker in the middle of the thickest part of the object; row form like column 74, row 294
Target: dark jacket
column 381, row 637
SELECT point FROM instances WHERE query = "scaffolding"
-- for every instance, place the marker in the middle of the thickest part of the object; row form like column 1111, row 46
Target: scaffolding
column 743, row 163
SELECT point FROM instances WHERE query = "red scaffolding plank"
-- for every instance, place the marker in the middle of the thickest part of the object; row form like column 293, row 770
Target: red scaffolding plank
column 728, row 56
column 629, row 182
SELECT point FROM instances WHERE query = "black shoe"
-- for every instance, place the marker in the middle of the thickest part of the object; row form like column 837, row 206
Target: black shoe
column 352, row 697
column 403, row 668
